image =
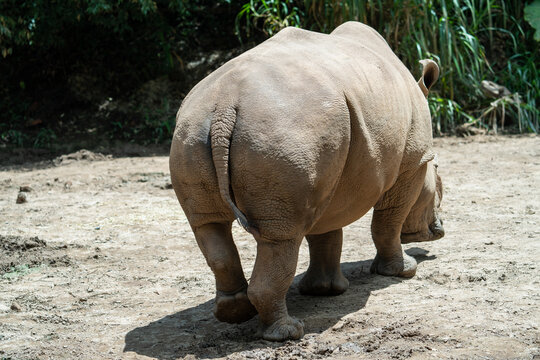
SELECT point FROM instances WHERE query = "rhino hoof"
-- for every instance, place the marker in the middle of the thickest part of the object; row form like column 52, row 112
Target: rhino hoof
column 402, row 267
column 323, row 285
column 285, row 329
column 234, row 308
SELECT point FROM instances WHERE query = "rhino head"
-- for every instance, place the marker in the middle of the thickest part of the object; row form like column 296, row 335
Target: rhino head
column 423, row 222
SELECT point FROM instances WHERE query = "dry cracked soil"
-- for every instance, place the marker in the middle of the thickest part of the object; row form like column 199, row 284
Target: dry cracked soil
column 100, row 263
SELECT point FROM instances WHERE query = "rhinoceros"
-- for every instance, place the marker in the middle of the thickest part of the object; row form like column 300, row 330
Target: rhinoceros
column 299, row 137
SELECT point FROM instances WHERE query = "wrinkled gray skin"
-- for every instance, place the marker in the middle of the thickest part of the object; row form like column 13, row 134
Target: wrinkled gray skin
column 297, row 138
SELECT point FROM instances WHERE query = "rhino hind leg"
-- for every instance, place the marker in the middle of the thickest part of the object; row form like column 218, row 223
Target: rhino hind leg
column 273, row 273
column 234, row 308
column 324, row 276
column 389, row 215
column 232, row 303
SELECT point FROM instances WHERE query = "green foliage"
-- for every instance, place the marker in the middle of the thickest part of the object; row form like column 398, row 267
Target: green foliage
column 446, row 114
column 60, row 60
column 14, row 137
column 471, row 40
column 48, row 26
column 274, row 14
column 45, row 138
column 155, row 126
column 532, row 15
column 57, row 56
column 20, row 270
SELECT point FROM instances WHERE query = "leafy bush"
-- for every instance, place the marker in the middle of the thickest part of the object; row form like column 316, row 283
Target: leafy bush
column 274, row 14
column 60, row 61
column 56, row 56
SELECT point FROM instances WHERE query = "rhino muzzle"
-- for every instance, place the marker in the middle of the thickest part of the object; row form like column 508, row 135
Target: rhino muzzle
column 437, row 230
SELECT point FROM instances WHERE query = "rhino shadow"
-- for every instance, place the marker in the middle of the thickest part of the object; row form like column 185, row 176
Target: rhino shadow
column 195, row 331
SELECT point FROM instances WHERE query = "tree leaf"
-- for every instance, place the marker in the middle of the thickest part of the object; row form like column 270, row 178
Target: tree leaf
column 532, row 15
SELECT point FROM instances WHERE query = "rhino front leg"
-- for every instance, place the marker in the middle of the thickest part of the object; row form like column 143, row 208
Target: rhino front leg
column 390, row 260
column 388, row 217
column 324, row 276
column 216, row 243
column 273, row 273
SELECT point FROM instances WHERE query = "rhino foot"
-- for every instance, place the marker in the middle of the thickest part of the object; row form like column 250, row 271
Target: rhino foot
column 323, row 284
column 285, row 329
column 404, row 266
column 234, row 308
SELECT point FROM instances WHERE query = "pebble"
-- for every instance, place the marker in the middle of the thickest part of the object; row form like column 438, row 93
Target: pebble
column 167, row 186
column 21, row 198
column 25, row 188
column 16, row 307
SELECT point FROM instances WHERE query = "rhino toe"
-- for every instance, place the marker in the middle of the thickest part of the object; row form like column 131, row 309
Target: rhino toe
column 323, row 285
column 285, row 329
column 404, row 266
column 234, row 309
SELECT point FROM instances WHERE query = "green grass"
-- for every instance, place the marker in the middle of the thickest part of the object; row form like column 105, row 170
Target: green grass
column 20, row 270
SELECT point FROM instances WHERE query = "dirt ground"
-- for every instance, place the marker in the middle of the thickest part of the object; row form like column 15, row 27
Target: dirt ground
column 100, row 263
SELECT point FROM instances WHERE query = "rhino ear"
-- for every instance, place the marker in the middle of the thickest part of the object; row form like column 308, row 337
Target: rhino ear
column 430, row 74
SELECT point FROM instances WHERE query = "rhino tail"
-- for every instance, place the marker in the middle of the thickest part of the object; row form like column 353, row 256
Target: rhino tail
column 221, row 130
column 430, row 74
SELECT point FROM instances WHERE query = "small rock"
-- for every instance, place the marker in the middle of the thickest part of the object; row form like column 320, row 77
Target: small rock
column 25, row 188
column 21, row 198
column 469, row 129
column 16, row 307
column 351, row 347
column 476, row 277
column 167, row 186
column 68, row 185
column 493, row 90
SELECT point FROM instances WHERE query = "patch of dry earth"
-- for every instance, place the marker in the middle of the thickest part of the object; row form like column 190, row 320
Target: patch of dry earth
column 103, row 264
